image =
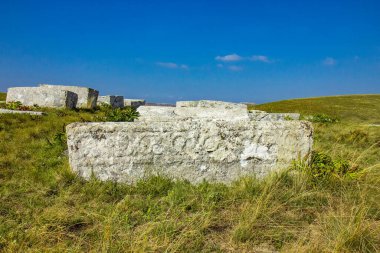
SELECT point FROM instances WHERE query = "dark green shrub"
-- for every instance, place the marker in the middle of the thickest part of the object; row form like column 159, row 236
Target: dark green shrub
column 104, row 107
column 322, row 166
column 126, row 114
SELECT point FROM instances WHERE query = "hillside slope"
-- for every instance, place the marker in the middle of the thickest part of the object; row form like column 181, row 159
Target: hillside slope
column 357, row 108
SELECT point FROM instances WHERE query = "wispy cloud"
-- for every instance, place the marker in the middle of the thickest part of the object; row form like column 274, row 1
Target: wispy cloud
column 235, row 68
column 260, row 58
column 329, row 61
column 172, row 65
column 229, row 58
column 238, row 58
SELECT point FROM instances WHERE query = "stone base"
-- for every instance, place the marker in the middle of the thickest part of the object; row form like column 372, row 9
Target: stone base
column 195, row 150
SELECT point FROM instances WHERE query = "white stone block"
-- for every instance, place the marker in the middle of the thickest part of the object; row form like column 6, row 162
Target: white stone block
column 87, row 97
column 41, row 96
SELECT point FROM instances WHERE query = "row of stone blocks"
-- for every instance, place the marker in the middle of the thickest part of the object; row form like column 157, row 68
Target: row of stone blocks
column 62, row 96
column 120, row 102
column 195, row 141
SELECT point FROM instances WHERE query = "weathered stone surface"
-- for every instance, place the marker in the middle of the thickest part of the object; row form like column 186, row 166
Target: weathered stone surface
column 134, row 102
column 204, row 109
column 159, row 104
column 154, row 113
column 261, row 115
column 212, row 113
column 212, row 104
column 196, row 150
column 20, row 112
column 114, row 101
column 163, row 113
column 197, row 140
column 190, row 110
column 87, row 97
column 41, row 96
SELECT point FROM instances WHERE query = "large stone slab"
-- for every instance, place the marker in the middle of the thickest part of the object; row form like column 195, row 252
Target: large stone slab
column 215, row 110
column 114, row 101
column 154, row 113
column 159, row 104
column 211, row 104
column 87, row 97
column 197, row 110
column 212, row 113
column 195, row 150
column 41, row 96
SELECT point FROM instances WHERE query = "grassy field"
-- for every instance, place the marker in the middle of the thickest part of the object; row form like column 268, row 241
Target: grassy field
column 46, row 208
column 354, row 108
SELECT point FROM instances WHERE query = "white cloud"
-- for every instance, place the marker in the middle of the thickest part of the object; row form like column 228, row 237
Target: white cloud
column 236, row 58
column 329, row 61
column 183, row 66
column 229, row 58
column 260, row 58
column 235, row 68
column 172, row 65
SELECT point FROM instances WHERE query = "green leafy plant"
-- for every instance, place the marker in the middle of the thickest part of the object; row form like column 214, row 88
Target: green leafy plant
column 126, row 114
column 17, row 105
column 322, row 166
column 14, row 105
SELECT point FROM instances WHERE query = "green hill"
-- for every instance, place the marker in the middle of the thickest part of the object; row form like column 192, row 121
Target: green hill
column 329, row 205
column 357, row 108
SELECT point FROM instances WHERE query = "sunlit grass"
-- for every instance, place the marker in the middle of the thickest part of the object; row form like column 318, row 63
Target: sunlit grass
column 356, row 108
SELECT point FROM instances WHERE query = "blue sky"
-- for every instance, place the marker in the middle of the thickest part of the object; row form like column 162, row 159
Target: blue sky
column 247, row 51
